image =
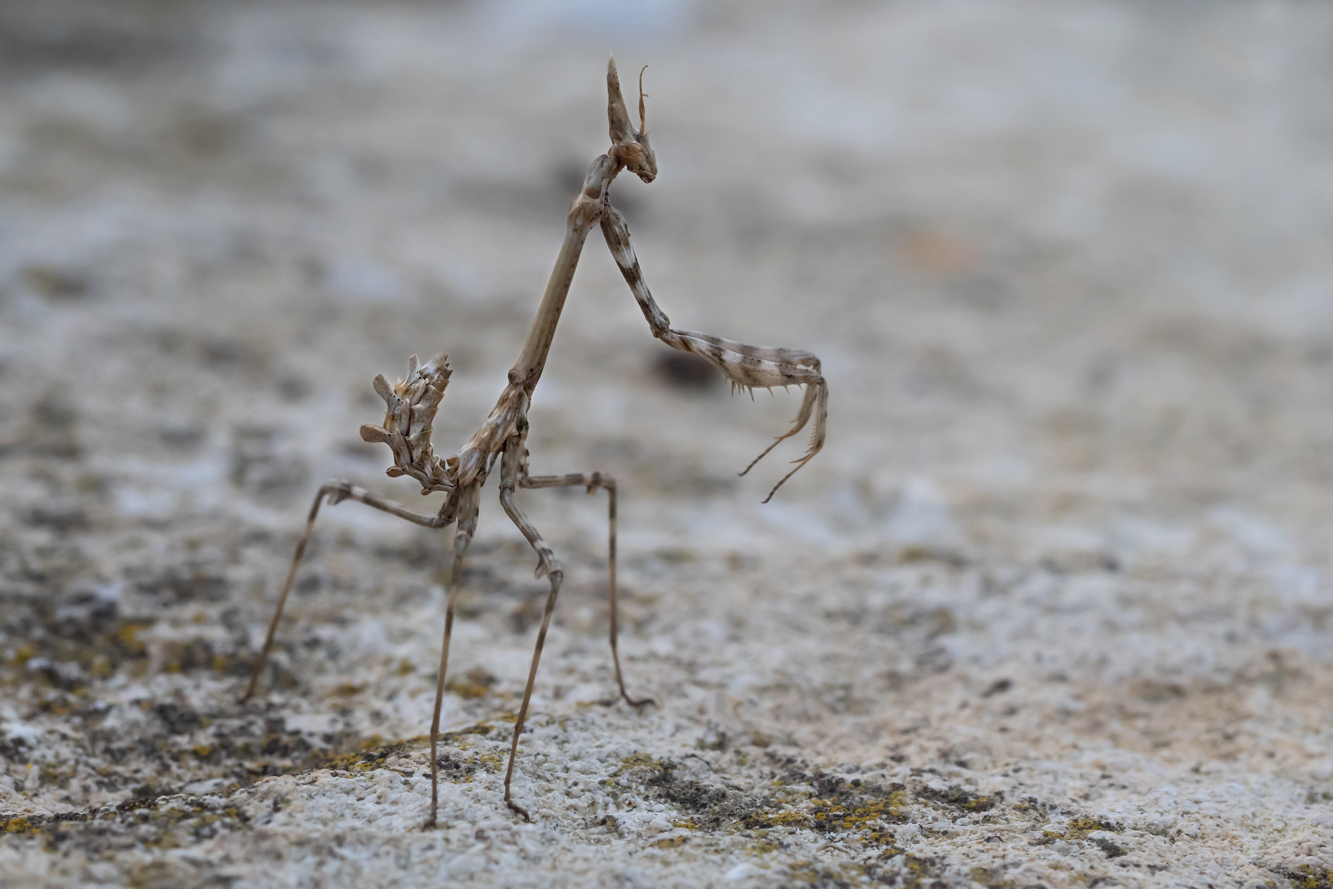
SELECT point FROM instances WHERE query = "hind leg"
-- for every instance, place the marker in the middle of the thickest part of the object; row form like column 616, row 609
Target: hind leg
column 467, row 526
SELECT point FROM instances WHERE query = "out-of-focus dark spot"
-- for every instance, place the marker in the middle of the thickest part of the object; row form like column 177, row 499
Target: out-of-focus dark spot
column 74, row 35
column 59, row 515
column 205, row 134
column 983, row 293
column 566, row 179
column 53, row 428
column 184, row 585
column 261, row 468
column 354, row 447
column 681, row 370
column 219, row 353
column 293, row 387
column 178, row 719
column 56, row 284
column 568, row 175
column 183, row 437
column 220, row 350
column 934, row 660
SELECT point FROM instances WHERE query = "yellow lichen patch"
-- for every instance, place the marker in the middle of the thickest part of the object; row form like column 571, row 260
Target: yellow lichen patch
column 476, row 683
column 371, row 755
column 990, row 878
column 128, row 634
column 1307, row 876
column 16, row 825
column 835, row 816
column 1079, row 828
column 491, row 761
column 766, row 820
column 686, row 824
column 670, row 842
column 350, row 689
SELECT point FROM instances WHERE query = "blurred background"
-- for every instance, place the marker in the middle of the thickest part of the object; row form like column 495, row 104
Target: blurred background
column 1068, row 267
column 1059, row 260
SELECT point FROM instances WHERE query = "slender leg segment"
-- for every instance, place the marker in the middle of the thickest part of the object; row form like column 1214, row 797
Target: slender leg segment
column 467, row 526
column 746, row 366
column 511, row 466
column 336, row 492
column 592, row 481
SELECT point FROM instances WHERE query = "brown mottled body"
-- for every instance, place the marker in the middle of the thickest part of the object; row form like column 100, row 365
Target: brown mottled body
column 412, row 404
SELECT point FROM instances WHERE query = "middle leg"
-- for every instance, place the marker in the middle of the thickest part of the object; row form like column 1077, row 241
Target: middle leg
column 511, row 467
column 592, row 481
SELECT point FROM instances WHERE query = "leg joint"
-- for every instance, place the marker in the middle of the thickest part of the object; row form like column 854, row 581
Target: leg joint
column 337, row 491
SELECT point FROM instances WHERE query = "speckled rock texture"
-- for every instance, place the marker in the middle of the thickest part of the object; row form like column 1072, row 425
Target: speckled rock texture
column 1053, row 608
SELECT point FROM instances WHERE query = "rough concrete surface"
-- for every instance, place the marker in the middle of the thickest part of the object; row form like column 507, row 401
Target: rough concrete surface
column 1053, row 608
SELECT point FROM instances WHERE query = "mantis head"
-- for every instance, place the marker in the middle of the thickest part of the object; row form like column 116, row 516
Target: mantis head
column 629, row 147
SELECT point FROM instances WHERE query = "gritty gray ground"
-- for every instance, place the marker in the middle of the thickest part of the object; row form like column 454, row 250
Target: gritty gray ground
column 1053, row 608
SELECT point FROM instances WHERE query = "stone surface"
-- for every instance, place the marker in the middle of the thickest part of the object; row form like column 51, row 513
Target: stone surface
column 1052, row 609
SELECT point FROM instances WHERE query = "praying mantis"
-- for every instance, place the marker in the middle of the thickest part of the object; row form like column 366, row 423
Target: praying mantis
column 413, row 402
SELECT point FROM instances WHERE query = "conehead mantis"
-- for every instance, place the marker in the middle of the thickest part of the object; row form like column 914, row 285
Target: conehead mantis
column 413, row 402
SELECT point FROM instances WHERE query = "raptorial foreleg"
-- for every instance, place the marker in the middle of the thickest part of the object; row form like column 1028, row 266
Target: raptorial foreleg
column 746, row 366
column 336, row 492
column 592, row 481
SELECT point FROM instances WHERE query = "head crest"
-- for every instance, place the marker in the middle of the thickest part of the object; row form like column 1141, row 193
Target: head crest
column 629, row 147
